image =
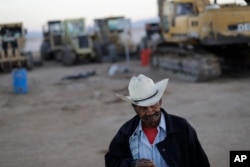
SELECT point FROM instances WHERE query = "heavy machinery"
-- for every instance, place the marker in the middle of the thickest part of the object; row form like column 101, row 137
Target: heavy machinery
column 67, row 41
column 201, row 39
column 112, row 38
column 152, row 35
column 12, row 44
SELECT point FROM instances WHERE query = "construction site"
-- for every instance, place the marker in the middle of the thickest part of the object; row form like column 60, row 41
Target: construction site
column 58, row 103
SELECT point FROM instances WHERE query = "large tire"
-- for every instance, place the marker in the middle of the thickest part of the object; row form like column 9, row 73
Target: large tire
column 98, row 52
column 29, row 62
column 45, row 48
column 112, row 53
column 58, row 55
column 69, row 57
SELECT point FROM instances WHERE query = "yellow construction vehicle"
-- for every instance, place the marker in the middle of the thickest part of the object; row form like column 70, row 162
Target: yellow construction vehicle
column 152, row 35
column 112, row 38
column 200, row 39
column 67, row 41
column 12, row 44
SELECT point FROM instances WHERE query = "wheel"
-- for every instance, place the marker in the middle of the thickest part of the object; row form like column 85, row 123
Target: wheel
column 58, row 55
column 69, row 57
column 6, row 67
column 30, row 62
column 97, row 52
column 45, row 51
column 112, row 53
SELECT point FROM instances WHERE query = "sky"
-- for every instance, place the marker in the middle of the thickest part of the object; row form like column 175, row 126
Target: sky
column 35, row 13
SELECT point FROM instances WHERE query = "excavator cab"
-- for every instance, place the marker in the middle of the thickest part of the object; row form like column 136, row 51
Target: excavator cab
column 109, row 26
column 79, row 42
column 12, row 44
column 53, row 40
column 55, row 33
column 176, row 17
column 112, row 38
column 67, row 41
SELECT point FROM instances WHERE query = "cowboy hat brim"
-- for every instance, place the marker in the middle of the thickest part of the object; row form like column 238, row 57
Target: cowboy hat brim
column 160, row 87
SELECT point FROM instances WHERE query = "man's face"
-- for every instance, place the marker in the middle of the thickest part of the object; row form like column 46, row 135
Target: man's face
column 150, row 116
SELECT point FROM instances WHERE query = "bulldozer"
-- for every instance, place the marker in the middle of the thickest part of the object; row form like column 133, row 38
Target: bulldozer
column 67, row 41
column 112, row 39
column 12, row 47
column 200, row 39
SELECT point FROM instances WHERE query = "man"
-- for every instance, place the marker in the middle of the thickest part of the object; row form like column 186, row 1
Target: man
column 153, row 138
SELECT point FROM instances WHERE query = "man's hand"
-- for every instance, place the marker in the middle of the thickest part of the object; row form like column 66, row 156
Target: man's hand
column 144, row 163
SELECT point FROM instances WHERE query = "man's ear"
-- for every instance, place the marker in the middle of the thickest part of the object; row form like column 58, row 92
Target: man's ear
column 133, row 105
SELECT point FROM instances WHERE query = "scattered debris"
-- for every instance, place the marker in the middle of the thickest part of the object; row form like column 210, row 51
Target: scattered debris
column 97, row 94
column 70, row 108
column 117, row 69
column 80, row 76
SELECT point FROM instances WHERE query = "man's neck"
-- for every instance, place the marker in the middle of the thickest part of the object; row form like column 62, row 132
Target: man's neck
column 151, row 125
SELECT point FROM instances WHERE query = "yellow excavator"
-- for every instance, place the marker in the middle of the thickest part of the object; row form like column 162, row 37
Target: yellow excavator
column 200, row 39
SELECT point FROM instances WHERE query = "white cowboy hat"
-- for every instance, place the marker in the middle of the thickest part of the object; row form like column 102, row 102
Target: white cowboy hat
column 144, row 92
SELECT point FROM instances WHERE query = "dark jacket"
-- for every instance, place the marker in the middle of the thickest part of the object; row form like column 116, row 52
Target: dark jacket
column 181, row 147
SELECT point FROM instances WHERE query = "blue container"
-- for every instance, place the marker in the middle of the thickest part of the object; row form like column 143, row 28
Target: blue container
column 20, row 81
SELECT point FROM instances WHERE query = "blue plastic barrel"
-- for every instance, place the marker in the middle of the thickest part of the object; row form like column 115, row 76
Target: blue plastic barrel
column 20, row 81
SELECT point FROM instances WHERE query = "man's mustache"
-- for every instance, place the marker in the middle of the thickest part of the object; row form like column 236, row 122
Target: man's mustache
column 146, row 117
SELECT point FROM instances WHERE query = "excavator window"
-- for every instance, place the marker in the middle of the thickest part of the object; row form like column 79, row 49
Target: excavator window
column 184, row 9
column 116, row 25
column 165, row 23
column 10, row 36
column 75, row 27
column 55, row 28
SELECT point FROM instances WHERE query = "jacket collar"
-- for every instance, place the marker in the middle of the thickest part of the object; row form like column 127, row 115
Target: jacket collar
column 171, row 127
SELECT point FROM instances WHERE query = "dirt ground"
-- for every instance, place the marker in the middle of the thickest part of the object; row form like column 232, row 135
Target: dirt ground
column 71, row 122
